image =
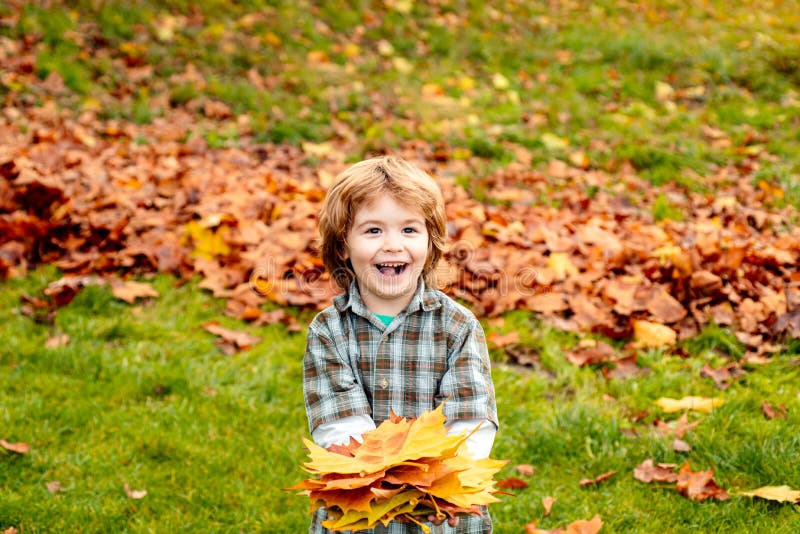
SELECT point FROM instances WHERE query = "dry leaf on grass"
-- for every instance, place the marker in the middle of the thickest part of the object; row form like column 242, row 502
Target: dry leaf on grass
column 511, row 483
column 58, row 340
column 581, row 526
column 129, row 291
column 698, row 404
column 724, row 376
column 232, row 340
column 772, row 412
column 524, row 469
column 699, row 485
column 547, row 504
column 678, row 445
column 54, row 486
column 647, row 334
column 677, row 428
column 498, row 341
column 648, row 471
column 134, row 494
column 775, row 493
column 19, row 448
column 598, row 479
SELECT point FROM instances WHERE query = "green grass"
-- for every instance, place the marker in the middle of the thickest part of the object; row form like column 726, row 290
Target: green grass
column 141, row 395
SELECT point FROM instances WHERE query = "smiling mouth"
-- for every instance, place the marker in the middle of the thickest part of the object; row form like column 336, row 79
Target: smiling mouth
column 391, row 269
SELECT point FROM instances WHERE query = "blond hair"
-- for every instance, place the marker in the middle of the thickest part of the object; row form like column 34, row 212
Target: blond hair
column 362, row 183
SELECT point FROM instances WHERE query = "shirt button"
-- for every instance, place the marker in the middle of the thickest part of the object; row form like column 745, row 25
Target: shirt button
column 384, row 383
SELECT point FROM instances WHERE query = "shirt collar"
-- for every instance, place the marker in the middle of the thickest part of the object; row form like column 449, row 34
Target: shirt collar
column 424, row 297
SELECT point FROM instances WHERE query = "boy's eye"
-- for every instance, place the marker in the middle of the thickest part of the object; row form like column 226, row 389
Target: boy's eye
column 373, row 230
column 409, row 230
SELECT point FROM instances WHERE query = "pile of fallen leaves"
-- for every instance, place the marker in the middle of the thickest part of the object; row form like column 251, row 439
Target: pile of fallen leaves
column 84, row 195
column 574, row 243
column 404, row 470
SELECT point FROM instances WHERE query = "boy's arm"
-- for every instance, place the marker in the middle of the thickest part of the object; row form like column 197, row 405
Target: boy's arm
column 480, row 442
column 467, row 383
column 330, row 387
column 340, row 431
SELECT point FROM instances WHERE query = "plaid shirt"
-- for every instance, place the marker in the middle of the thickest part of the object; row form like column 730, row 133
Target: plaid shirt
column 432, row 350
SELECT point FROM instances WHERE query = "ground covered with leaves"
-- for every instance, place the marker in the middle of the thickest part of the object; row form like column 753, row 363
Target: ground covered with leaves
column 622, row 199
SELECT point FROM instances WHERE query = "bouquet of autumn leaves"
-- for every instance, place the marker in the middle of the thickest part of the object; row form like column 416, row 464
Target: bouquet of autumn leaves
column 404, row 470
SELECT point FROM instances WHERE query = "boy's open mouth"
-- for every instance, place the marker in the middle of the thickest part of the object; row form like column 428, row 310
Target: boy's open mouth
column 391, row 268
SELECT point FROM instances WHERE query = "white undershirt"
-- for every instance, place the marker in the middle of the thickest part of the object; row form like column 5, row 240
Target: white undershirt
column 339, row 432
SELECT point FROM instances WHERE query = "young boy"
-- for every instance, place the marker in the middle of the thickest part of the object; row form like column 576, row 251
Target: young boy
column 392, row 341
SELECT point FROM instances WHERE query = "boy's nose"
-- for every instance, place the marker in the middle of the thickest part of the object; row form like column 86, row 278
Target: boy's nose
column 392, row 243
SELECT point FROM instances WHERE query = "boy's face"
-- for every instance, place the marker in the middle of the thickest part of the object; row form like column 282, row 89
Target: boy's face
column 387, row 245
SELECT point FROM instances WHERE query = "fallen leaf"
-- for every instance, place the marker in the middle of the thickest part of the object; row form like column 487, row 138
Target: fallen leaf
column 647, row 334
column 771, row 413
column 54, row 486
column 19, row 448
column 598, row 479
column 547, row 503
column 499, row 81
column 648, row 472
column 665, row 308
column 678, row 445
column 664, row 91
column 553, row 142
column 698, row 404
column 599, row 352
column 129, row 291
column 134, row 494
column 581, row 526
column 521, row 354
column 65, row 289
column 624, row 368
column 511, row 483
column 722, row 376
column 775, row 493
column 501, row 340
column 232, row 339
column 788, row 324
column 699, row 485
column 525, row 469
column 561, row 265
column 58, row 340
column 677, row 428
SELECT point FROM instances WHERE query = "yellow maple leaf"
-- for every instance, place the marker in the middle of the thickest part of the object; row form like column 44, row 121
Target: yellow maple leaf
column 775, row 493
column 647, row 334
column 561, row 265
column 394, row 442
column 208, row 242
column 698, row 404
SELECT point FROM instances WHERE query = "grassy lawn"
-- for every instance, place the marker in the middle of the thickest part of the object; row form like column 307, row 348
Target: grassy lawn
column 141, row 395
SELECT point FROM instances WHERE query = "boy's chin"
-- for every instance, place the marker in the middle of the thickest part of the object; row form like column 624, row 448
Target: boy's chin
column 393, row 290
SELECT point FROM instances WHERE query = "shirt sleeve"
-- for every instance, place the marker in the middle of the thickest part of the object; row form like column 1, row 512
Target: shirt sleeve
column 340, row 431
column 480, row 442
column 467, row 383
column 330, row 386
